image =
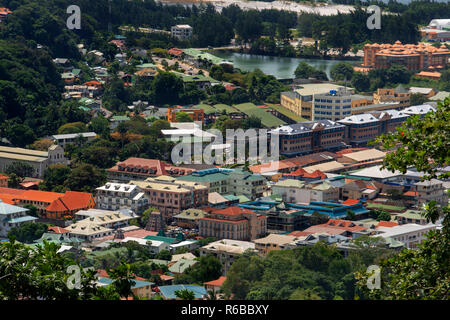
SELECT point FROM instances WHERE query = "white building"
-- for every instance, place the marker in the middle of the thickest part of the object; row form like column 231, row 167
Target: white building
column 333, row 105
column 297, row 191
column 431, row 190
column 421, row 110
column 115, row 196
column 410, row 234
column 181, row 31
column 227, row 250
column 64, row 139
column 188, row 244
column 12, row 217
column 88, row 230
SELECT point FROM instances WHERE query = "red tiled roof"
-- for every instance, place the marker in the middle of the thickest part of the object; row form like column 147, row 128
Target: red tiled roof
column 34, row 195
column 102, row 273
column 350, row 202
column 2, row 177
column 71, row 200
column 388, row 224
column 161, row 167
column 350, row 150
column 334, row 226
column 29, row 184
column 230, row 221
column 217, row 282
column 57, row 230
column 166, row 277
column 140, row 233
column 410, row 193
column 233, row 211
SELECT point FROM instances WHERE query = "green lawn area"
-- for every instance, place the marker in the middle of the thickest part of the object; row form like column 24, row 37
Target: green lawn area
column 267, row 119
column 111, row 251
column 288, row 113
column 384, row 206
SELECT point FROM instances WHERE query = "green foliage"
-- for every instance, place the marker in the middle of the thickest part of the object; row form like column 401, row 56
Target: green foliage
column 185, row 294
column 417, row 99
column 342, row 71
column 85, row 177
column 183, row 117
column 27, row 232
column 54, row 177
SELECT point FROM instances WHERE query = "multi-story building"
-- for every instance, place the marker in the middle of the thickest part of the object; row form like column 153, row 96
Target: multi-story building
column 140, row 169
column 229, row 181
column 437, row 30
column 274, row 242
column 431, row 190
column 413, row 57
column 296, row 191
column 227, row 251
column 362, row 128
column 420, row 110
column 333, row 105
column 400, row 97
column 301, row 100
column 410, row 234
column 310, row 136
column 181, row 31
column 195, row 114
column 233, row 223
column 12, row 217
column 38, row 160
column 115, row 196
column 171, row 196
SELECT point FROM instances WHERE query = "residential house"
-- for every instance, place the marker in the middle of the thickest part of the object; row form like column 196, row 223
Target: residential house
column 410, row 234
column 12, row 217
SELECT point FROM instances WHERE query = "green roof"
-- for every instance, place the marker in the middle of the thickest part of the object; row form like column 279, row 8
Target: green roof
column 159, row 238
column 213, row 177
column 76, row 72
column 200, row 55
column 290, row 183
column 120, row 118
column 228, row 109
column 182, row 265
column 411, row 214
column 384, row 206
column 197, row 78
column 192, row 214
column 206, row 108
column 288, row 113
column 267, row 119
column 146, row 65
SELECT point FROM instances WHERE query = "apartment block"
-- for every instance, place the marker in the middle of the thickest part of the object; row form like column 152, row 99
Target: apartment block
column 115, row 196
column 171, row 196
column 181, row 31
column 233, row 223
column 310, row 136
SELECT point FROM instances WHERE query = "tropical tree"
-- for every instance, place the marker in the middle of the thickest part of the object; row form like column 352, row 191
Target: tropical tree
column 185, row 294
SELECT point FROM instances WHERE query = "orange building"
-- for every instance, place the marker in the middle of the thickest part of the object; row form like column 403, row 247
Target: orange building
column 51, row 205
column 3, row 181
column 195, row 114
column 414, row 57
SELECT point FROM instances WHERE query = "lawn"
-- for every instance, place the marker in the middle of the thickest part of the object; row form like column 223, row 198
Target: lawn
column 384, row 206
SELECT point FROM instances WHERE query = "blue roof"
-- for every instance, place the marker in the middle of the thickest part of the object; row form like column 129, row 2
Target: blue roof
column 20, row 219
column 138, row 284
column 169, row 291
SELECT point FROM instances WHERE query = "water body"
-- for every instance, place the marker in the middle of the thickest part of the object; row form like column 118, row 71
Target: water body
column 279, row 67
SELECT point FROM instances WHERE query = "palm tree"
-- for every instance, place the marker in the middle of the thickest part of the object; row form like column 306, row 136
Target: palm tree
column 185, row 294
column 211, row 295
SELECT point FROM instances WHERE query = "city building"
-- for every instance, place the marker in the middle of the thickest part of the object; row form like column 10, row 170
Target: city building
column 414, row 57
column 229, row 181
column 431, row 190
column 154, row 246
column 38, row 160
column 227, row 251
column 12, row 217
column 420, row 110
column 189, row 218
column 399, row 97
column 274, row 242
column 411, row 216
column 181, row 31
column 310, row 136
column 302, row 100
column 64, row 139
column 140, row 169
column 51, row 205
column 437, row 30
column 115, row 196
column 233, row 223
column 88, row 231
column 171, row 196
column 410, row 234
column 296, row 191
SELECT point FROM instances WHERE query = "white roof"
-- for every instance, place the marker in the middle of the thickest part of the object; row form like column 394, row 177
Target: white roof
column 118, row 187
column 186, row 256
column 420, row 109
column 182, row 244
column 393, row 113
column 144, row 242
column 439, row 23
column 230, row 246
column 188, row 132
column 324, row 167
column 376, row 172
column 74, row 135
column 359, row 118
column 420, row 90
column 403, row 229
